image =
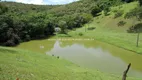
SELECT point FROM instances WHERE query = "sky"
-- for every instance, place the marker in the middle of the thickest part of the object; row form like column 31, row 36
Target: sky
column 43, row 2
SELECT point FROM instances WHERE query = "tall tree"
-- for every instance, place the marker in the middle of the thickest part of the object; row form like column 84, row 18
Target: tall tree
column 63, row 26
column 136, row 13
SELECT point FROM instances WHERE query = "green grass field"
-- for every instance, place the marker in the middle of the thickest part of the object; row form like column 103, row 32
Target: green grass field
column 16, row 64
column 108, row 31
column 25, row 65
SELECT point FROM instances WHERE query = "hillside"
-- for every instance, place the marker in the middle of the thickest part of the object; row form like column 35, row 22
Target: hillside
column 23, row 22
column 107, row 29
column 110, row 21
column 26, row 65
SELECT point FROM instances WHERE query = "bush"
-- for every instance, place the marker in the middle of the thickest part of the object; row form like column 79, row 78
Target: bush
column 91, row 28
column 27, row 38
column 131, row 30
column 118, row 14
column 58, row 57
column 114, row 11
column 98, row 22
column 121, row 23
column 86, row 18
column 106, row 11
column 80, row 34
column 136, row 28
column 9, row 43
column 95, row 11
column 63, row 26
column 13, row 41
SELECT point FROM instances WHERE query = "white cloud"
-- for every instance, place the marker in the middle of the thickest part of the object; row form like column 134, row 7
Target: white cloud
column 59, row 1
column 46, row 1
column 31, row 1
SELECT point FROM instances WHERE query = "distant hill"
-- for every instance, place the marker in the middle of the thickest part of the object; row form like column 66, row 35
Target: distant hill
column 29, row 21
column 23, row 22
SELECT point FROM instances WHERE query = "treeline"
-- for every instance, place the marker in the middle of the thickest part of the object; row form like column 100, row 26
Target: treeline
column 18, row 23
column 23, row 22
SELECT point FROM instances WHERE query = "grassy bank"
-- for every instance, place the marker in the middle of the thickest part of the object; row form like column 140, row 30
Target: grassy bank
column 108, row 31
column 25, row 65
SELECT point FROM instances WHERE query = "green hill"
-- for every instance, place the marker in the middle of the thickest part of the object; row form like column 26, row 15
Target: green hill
column 25, row 65
column 107, row 29
column 100, row 19
column 23, row 22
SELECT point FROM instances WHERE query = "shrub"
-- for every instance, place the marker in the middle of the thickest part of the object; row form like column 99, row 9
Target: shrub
column 136, row 28
column 114, row 11
column 58, row 57
column 121, row 23
column 118, row 13
column 131, row 30
column 27, row 38
column 91, row 28
column 16, row 39
column 80, row 34
column 106, row 10
column 95, row 11
column 63, row 26
column 86, row 18
column 10, row 43
column 98, row 22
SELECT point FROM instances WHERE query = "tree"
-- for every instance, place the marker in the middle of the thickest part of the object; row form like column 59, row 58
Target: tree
column 138, row 28
column 86, row 18
column 5, row 23
column 63, row 26
column 105, row 5
column 137, row 13
column 49, row 29
column 95, row 11
column 7, row 31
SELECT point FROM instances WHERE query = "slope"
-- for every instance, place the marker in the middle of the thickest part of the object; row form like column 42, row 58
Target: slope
column 25, row 65
column 107, row 29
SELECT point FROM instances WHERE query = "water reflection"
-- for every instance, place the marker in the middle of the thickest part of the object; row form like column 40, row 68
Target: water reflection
column 95, row 58
column 91, row 54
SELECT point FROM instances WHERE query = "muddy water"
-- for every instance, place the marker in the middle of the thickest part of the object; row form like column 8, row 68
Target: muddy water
column 90, row 54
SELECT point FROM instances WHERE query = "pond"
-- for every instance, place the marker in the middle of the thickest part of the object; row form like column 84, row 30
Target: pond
column 90, row 54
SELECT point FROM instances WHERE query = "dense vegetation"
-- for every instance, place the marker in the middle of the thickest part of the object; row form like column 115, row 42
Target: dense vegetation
column 23, row 22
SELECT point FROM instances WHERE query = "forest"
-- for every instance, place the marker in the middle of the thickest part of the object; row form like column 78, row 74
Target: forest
column 23, row 22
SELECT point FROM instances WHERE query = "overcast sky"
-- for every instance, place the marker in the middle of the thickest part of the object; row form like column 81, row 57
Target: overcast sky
column 43, row 1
